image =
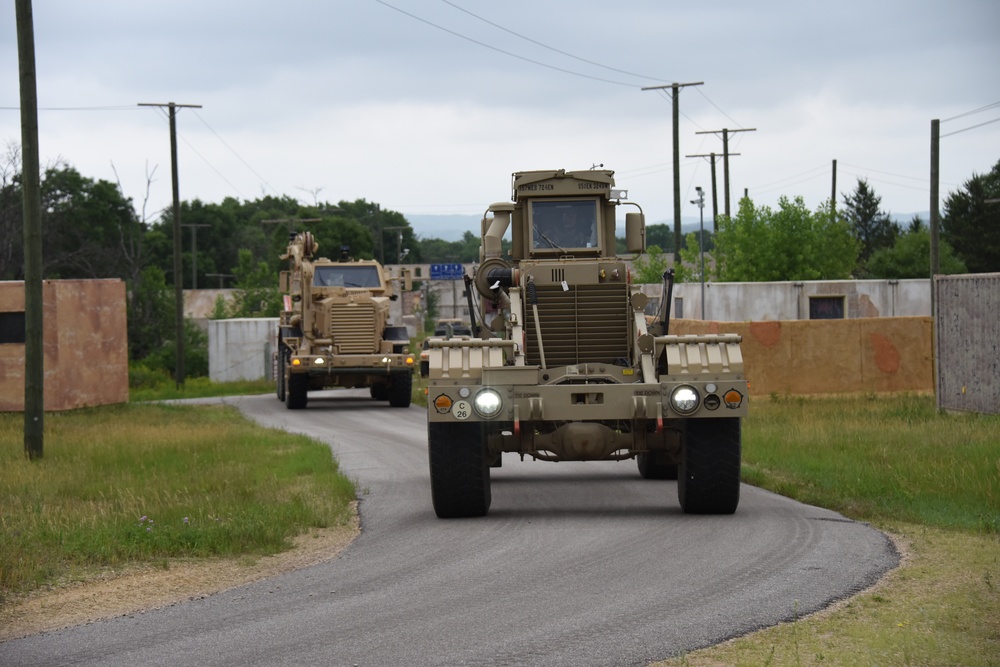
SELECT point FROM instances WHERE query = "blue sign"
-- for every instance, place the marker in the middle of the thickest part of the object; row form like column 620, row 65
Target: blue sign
column 447, row 271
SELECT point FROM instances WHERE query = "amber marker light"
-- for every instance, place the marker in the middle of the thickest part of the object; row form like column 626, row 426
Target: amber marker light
column 409, row 361
column 442, row 403
column 733, row 399
column 296, row 362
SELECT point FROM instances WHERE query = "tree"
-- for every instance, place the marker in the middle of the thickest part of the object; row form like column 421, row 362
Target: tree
column 872, row 228
column 910, row 256
column 649, row 267
column 90, row 229
column 971, row 222
column 256, row 294
column 760, row 244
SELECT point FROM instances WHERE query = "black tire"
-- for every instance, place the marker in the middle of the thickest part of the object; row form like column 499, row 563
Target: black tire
column 460, row 469
column 709, row 479
column 296, row 393
column 380, row 392
column 401, row 390
column 279, row 379
column 653, row 465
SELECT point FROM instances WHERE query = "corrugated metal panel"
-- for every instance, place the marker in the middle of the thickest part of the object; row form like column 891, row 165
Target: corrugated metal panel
column 967, row 342
column 587, row 323
column 353, row 327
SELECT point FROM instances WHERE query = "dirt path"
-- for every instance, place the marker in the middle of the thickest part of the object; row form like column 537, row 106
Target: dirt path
column 133, row 591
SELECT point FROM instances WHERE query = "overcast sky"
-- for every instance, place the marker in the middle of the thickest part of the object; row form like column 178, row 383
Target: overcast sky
column 428, row 106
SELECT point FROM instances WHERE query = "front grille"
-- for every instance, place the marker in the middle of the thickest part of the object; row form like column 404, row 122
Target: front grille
column 353, row 328
column 585, row 324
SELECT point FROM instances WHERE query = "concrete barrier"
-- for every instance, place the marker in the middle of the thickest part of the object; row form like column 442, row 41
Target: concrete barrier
column 240, row 349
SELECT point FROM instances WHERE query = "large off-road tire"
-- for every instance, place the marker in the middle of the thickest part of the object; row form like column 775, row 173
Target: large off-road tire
column 401, row 390
column 296, row 393
column 460, row 469
column 653, row 465
column 709, row 477
column 279, row 375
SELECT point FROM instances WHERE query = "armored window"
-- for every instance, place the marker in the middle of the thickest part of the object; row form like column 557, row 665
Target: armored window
column 826, row 307
column 344, row 275
column 562, row 224
column 12, row 328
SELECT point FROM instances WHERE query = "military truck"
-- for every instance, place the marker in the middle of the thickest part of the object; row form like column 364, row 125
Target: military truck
column 565, row 365
column 334, row 329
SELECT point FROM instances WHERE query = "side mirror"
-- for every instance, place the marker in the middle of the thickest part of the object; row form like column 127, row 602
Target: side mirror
column 635, row 232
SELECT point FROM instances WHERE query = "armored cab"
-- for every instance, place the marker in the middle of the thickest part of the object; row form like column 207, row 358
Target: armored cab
column 564, row 364
column 335, row 331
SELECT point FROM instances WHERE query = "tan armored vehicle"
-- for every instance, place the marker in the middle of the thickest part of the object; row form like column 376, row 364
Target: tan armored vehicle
column 334, row 329
column 565, row 367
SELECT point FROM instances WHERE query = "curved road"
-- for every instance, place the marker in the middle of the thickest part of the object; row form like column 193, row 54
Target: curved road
column 576, row 564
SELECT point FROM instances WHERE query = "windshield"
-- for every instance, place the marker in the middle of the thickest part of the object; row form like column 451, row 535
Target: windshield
column 345, row 275
column 562, row 224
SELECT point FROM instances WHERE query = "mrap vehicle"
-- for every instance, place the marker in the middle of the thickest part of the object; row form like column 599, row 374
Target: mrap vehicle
column 334, row 329
column 564, row 364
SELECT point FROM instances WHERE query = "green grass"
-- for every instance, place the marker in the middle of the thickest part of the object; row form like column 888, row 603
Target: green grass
column 929, row 478
column 879, row 459
column 162, row 388
column 140, row 483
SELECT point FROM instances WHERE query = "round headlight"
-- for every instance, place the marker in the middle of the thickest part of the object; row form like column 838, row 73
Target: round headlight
column 488, row 403
column 684, row 399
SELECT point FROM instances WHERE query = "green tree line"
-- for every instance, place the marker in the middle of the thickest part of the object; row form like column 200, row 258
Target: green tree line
column 91, row 229
column 857, row 240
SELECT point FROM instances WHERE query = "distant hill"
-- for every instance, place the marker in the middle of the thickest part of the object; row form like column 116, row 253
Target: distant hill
column 451, row 227
column 447, row 227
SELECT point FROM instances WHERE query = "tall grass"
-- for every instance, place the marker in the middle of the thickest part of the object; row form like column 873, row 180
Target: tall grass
column 878, row 458
column 144, row 483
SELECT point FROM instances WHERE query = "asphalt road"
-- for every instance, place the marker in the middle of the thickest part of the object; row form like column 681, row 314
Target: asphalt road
column 576, row 564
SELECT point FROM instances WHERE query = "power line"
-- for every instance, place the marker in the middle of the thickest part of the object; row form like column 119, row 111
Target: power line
column 974, row 111
column 546, row 46
column 104, row 108
column 499, row 50
column 968, row 128
column 238, row 156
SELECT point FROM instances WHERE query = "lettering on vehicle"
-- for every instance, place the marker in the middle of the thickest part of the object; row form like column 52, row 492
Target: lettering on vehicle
column 646, row 392
column 462, row 410
column 535, row 187
column 591, row 186
column 526, row 394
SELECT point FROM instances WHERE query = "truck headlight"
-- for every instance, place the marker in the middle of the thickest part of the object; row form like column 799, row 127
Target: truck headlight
column 684, row 399
column 488, row 403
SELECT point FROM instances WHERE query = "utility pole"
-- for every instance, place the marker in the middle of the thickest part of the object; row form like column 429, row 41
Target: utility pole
column 220, row 276
column 34, row 332
column 725, row 156
column 194, row 253
column 399, row 247
column 715, row 190
column 935, row 212
column 700, row 202
column 178, row 278
column 674, row 94
column 833, row 191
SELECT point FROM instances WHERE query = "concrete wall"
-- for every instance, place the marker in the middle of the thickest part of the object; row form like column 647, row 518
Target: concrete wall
column 85, row 345
column 741, row 302
column 240, row 349
column 803, row 357
column 968, row 342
